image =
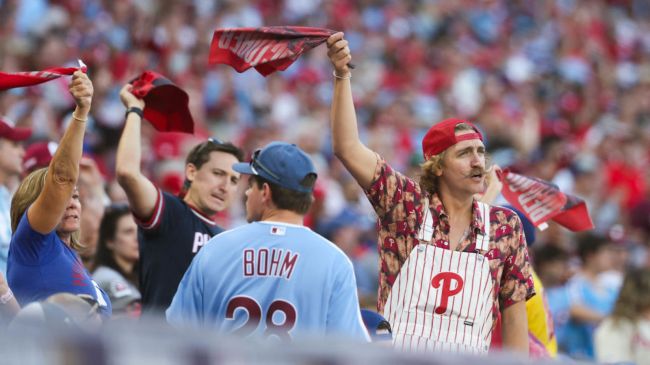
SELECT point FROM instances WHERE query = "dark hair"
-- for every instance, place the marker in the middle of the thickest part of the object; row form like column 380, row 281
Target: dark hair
column 286, row 199
column 107, row 231
column 589, row 244
column 200, row 154
column 549, row 253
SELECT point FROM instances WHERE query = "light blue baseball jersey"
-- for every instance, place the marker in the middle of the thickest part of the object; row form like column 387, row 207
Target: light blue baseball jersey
column 270, row 279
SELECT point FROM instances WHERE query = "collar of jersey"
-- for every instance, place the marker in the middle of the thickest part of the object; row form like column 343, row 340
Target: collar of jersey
column 274, row 223
column 202, row 216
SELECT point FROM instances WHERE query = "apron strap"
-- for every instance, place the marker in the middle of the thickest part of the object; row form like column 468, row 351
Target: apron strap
column 483, row 239
column 426, row 230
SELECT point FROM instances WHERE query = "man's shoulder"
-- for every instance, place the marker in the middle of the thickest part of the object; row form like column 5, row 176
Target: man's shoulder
column 173, row 200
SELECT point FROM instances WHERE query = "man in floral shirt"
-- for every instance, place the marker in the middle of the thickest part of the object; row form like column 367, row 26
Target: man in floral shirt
column 450, row 265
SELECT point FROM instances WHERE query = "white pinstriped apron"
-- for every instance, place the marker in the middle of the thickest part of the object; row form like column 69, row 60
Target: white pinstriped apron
column 442, row 299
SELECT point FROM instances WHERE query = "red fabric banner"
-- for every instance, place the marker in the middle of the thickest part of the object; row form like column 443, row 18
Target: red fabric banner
column 541, row 201
column 166, row 105
column 30, row 78
column 267, row 49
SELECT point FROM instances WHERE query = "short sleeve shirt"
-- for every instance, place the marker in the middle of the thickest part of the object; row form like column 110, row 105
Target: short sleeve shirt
column 42, row 264
column 168, row 242
column 400, row 205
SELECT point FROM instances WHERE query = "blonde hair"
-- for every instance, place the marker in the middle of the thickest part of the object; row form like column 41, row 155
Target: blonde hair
column 431, row 167
column 28, row 191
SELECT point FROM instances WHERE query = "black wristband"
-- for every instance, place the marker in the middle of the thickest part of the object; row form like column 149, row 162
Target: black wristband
column 136, row 110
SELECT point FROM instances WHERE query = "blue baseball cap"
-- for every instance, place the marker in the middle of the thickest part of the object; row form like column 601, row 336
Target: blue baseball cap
column 281, row 163
column 377, row 326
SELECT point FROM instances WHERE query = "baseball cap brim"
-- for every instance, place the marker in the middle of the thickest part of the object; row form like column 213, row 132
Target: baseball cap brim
column 243, row 168
column 16, row 134
column 20, row 134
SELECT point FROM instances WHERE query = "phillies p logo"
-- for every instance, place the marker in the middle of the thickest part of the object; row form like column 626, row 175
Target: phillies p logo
column 445, row 280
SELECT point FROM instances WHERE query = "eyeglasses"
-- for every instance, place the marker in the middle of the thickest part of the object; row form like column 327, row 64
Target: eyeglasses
column 255, row 163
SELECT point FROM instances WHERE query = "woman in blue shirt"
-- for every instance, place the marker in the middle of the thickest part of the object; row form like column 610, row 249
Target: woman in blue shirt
column 45, row 216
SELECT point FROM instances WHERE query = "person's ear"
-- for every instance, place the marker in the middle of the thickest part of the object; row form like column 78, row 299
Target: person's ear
column 190, row 172
column 266, row 193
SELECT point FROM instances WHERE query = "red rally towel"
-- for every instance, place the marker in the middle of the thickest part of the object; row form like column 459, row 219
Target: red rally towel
column 30, row 78
column 267, row 49
column 540, row 201
column 166, row 105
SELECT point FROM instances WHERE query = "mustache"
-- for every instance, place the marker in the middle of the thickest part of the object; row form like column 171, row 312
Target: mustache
column 477, row 171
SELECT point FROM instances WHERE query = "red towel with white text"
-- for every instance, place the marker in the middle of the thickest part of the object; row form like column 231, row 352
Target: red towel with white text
column 267, row 49
column 541, row 201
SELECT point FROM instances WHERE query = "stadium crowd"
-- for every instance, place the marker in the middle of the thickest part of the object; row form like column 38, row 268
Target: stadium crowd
column 558, row 88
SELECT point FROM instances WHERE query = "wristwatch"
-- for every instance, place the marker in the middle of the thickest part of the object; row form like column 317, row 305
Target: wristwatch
column 134, row 109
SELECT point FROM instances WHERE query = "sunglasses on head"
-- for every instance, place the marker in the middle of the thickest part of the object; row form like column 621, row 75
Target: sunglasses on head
column 256, row 164
column 212, row 140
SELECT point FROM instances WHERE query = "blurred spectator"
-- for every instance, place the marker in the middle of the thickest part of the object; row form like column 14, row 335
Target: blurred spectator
column 38, row 155
column 116, row 270
column 624, row 335
column 93, row 198
column 346, row 231
column 590, row 299
column 61, row 311
column 9, row 307
column 11, row 155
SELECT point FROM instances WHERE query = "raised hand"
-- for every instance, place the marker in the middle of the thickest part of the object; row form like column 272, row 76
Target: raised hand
column 81, row 89
column 339, row 54
column 128, row 99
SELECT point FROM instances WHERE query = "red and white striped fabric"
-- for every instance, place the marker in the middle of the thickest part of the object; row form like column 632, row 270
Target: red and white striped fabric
column 442, row 299
column 30, row 78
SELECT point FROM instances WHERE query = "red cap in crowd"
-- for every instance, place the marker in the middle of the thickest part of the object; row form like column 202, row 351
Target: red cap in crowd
column 443, row 135
column 38, row 155
column 166, row 105
column 13, row 133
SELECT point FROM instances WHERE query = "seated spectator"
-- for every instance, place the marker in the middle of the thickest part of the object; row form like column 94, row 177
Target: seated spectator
column 623, row 337
column 45, row 219
column 116, row 261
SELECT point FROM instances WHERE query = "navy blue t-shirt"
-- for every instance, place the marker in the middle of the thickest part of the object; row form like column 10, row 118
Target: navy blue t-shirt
column 168, row 242
column 40, row 265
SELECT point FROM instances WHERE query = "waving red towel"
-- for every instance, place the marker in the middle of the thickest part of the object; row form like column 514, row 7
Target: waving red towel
column 166, row 105
column 540, row 201
column 29, row 78
column 267, row 49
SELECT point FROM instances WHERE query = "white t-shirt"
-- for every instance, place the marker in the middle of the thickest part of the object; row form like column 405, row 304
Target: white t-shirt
column 623, row 341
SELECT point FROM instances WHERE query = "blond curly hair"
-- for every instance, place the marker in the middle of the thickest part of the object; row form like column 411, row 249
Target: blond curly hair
column 431, row 168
